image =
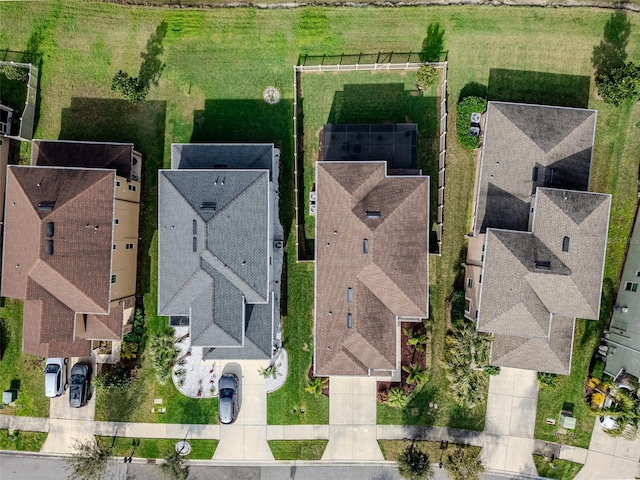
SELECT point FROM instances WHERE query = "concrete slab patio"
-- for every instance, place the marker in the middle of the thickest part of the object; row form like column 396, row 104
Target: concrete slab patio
column 352, row 420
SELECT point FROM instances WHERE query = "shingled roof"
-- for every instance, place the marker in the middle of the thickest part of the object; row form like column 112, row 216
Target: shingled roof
column 57, row 252
column 525, row 147
column 371, row 264
column 215, row 249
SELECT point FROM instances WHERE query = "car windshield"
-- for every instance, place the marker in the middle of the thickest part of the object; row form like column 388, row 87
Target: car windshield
column 226, row 393
column 51, row 368
column 74, row 393
column 77, row 378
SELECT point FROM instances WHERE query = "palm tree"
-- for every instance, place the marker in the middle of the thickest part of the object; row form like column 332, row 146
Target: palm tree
column 316, row 385
column 416, row 340
column 397, row 398
column 416, row 374
column 164, row 353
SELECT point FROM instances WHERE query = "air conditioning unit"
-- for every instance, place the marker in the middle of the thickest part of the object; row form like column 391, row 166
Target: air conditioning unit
column 475, row 117
column 313, row 209
column 278, row 244
column 313, row 197
column 475, row 131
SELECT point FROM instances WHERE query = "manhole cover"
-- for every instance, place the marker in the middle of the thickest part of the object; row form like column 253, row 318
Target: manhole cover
column 183, row 447
column 271, row 95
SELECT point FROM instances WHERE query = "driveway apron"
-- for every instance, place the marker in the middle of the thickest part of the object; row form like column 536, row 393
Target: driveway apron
column 352, row 420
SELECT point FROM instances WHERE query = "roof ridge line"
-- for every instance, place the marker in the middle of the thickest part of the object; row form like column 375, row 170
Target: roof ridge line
column 231, row 276
column 388, row 279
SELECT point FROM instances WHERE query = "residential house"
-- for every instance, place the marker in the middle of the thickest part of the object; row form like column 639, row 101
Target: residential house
column 221, row 247
column 371, row 251
column 622, row 345
column 71, row 243
column 536, row 250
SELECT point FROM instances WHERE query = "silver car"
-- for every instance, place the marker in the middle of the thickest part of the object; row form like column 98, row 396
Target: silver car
column 228, row 398
column 55, row 377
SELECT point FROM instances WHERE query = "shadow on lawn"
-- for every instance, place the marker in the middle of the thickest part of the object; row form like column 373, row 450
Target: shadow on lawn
column 143, row 124
column 433, row 44
column 253, row 121
column 611, row 51
column 538, row 88
column 152, row 67
column 377, row 103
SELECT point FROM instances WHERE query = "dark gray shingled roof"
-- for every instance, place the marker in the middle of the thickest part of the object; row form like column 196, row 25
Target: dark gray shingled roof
column 214, row 262
column 221, row 155
column 519, row 139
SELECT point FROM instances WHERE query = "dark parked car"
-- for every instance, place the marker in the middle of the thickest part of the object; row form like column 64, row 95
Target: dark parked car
column 79, row 385
column 228, row 402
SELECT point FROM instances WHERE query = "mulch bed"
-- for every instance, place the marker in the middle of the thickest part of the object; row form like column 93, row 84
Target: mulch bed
column 408, row 356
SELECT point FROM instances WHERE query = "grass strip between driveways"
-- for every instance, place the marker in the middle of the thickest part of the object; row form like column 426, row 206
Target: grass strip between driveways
column 297, row 449
column 158, row 447
column 22, row 441
column 558, row 470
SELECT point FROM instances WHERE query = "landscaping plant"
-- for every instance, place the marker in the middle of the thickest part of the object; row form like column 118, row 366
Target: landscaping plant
column 316, row 385
column 397, row 398
column 89, row 461
column 414, row 464
column 174, row 467
column 619, row 84
column 131, row 88
column 463, row 464
column 426, row 76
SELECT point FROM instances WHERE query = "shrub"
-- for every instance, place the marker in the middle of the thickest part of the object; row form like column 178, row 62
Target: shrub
column 426, row 76
column 116, row 380
column 128, row 349
column 619, row 84
column 463, row 464
column 457, row 306
column 598, row 370
column 131, row 88
column 11, row 72
column 492, row 370
column 316, row 385
column 397, row 398
column 597, row 398
column 547, row 379
column 466, row 107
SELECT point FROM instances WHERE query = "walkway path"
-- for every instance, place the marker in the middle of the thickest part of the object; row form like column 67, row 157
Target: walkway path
column 352, row 420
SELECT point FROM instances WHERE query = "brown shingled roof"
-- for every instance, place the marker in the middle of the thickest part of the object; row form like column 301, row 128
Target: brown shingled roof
column 389, row 281
column 76, row 277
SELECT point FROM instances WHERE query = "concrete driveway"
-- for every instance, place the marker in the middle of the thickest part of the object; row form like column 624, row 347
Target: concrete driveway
column 352, row 420
column 246, row 438
column 510, row 421
column 68, row 424
column 611, row 458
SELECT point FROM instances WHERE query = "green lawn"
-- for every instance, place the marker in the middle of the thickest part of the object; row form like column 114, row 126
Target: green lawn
column 22, row 441
column 297, row 449
column 158, row 447
column 22, row 372
column 218, row 62
column 561, row 469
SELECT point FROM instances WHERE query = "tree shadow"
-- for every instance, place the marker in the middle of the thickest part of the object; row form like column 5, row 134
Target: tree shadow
column 143, row 124
column 473, row 89
column 432, row 45
column 611, row 51
column 152, row 66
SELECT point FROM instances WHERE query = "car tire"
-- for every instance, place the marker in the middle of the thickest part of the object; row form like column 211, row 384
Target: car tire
column 66, row 361
column 66, row 385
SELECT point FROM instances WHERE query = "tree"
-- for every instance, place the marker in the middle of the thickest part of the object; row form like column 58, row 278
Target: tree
column 164, row 353
column 89, row 461
column 270, row 371
column 174, row 466
column 620, row 84
column 426, row 76
column 131, row 88
column 463, row 464
column 414, row 464
column 416, row 374
column 316, row 385
column 397, row 398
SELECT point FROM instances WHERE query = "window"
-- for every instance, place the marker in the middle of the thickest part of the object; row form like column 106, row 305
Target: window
column 349, row 295
column 114, row 246
column 132, row 188
column 637, row 273
column 534, row 177
column 114, row 278
column 116, row 221
column 542, row 265
column 476, row 314
column 365, row 246
column 467, row 305
column 565, row 244
column 117, row 183
column 482, row 257
column 631, row 287
column 480, row 279
column 470, row 283
column 129, row 246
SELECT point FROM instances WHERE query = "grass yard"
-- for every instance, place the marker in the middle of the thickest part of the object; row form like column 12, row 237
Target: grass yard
column 561, row 469
column 17, row 371
column 22, row 441
column 297, row 449
column 217, row 63
column 158, row 447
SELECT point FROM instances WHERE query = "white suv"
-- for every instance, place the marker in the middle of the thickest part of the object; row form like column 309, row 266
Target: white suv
column 55, row 377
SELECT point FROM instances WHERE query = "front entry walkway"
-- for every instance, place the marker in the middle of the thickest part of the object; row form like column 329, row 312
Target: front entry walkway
column 510, row 421
column 246, row 438
column 352, row 420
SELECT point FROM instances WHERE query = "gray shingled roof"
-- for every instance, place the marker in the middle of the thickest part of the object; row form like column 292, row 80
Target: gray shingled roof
column 214, row 262
column 219, row 155
column 556, row 142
